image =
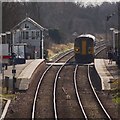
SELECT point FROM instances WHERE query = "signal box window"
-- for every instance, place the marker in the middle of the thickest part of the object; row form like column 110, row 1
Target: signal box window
column 25, row 34
column 33, row 34
column 37, row 34
column 26, row 26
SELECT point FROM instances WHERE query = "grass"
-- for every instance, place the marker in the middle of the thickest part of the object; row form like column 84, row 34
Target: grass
column 116, row 100
column 57, row 49
column 7, row 96
column 116, row 92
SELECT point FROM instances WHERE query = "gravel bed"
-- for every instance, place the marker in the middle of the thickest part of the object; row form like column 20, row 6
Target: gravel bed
column 44, row 106
column 67, row 104
column 91, row 106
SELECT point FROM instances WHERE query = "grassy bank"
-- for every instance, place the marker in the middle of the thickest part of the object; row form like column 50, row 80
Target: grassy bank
column 116, row 92
column 57, row 49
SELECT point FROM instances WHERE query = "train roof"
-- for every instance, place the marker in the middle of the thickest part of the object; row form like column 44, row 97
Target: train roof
column 87, row 35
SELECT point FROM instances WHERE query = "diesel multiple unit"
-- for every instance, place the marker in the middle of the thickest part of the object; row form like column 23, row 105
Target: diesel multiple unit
column 84, row 49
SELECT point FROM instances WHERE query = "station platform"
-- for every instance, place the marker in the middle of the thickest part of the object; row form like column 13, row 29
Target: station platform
column 108, row 73
column 23, row 75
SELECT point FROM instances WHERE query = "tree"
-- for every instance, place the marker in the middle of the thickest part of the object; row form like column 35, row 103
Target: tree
column 55, row 35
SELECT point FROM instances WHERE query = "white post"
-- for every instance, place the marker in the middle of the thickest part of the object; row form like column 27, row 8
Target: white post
column 9, row 33
column 113, row 38
column 13, row 41
column 113, row 41
column 42, row 47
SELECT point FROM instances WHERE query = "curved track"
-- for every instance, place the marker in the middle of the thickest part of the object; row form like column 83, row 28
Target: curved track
column 55, row 88
column 87, row 97
column 71, row 98
column 40, row 82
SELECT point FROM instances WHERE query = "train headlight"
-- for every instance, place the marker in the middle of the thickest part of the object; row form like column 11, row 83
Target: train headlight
column 77, row 50
column 90, row 50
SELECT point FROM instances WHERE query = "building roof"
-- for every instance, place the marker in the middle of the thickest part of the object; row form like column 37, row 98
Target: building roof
column 30, row 20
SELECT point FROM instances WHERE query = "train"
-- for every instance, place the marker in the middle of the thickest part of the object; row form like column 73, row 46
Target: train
column 84, row 49
column 116, row 47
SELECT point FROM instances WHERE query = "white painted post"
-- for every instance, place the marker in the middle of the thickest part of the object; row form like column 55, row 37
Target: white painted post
column 42, row 46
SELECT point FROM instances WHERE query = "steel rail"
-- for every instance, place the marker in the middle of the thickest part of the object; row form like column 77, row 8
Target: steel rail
column 76, row 89
column 100, row 51
column 94, row 89
column 97, row 47
column 40, row 81
column 54, row 90
column 77, row 94
column 89, row 78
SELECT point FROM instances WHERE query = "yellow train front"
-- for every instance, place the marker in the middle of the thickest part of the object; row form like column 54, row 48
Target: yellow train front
column 84, row 49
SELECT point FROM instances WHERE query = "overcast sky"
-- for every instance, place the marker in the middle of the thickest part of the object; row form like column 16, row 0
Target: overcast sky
column 85, row 1
column 97, row 1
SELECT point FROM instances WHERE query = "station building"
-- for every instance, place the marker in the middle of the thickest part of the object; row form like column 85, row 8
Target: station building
column 27, row 39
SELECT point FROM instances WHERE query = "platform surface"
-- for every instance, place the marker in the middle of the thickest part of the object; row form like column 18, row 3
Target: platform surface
column 107, row 72
column 23, row 73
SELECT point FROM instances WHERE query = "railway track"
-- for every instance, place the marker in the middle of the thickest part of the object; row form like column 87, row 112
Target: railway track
column 87, row 97
column 74, row 108
column 56, row 96
column 57, row 89
column 62, row 93
column 45, row 88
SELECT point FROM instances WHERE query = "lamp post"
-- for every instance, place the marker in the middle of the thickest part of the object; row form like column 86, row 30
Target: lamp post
column 42, row 46
column 10, row 47
column 107, row 19
column 13, row 61
column 113, row 37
